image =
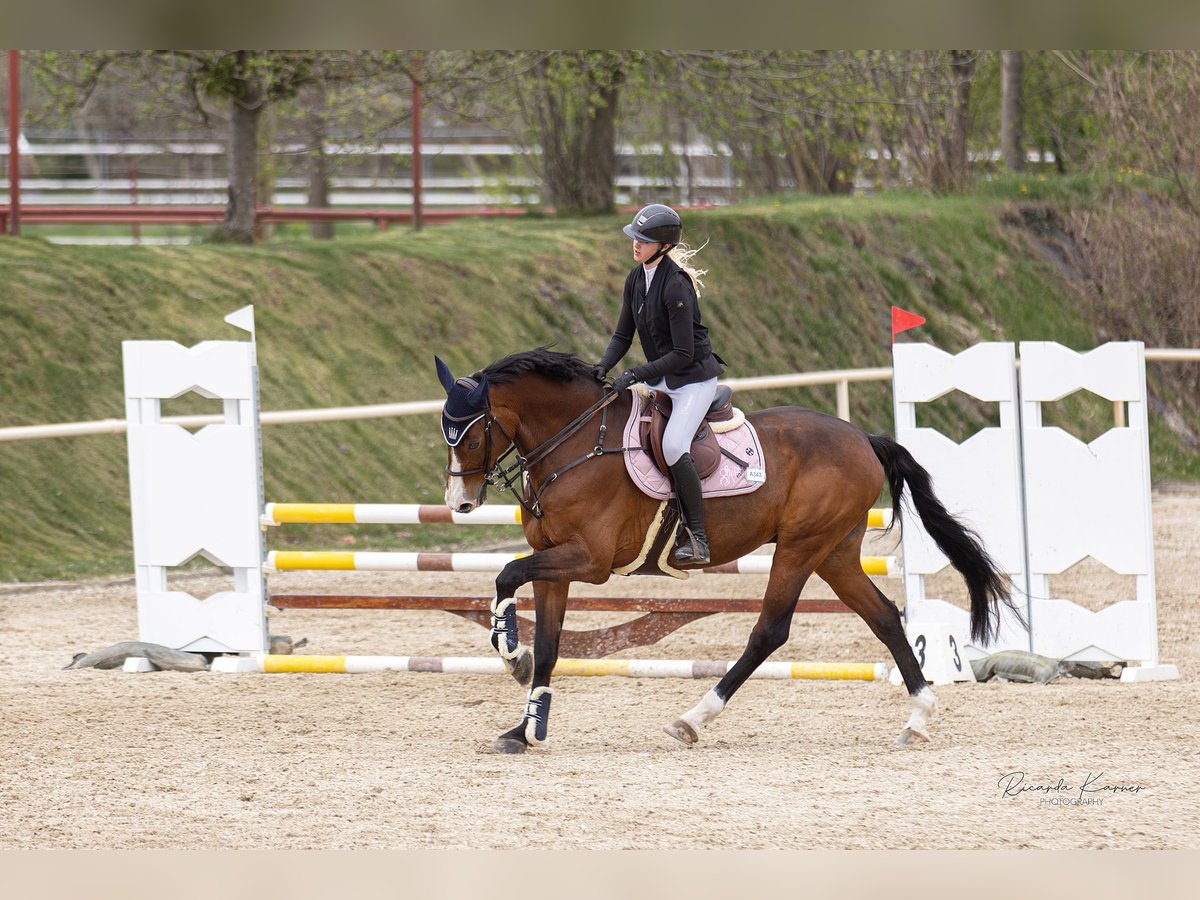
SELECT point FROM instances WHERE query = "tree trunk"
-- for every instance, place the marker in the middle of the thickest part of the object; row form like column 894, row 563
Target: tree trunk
column 245, row 109
column 318, row 162
column 1060, row 161
column 1012, row 110
column 264, row 172
column 600, row 155
column 818, row 168
column 578, row 138
column 684, row 140
column 950, row 170
column 964, row 71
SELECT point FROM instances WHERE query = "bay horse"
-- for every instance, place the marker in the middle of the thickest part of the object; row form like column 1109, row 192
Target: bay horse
column 536, row 423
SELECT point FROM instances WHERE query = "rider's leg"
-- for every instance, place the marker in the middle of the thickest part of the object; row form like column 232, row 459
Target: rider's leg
column 689, row 403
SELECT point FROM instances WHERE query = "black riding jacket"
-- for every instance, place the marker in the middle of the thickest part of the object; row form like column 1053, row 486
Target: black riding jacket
column 667, row 322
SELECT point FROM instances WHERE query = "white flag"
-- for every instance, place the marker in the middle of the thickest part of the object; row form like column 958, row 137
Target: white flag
column 243, row 319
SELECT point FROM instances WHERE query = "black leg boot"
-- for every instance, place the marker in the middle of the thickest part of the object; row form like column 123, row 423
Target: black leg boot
column 687, row 489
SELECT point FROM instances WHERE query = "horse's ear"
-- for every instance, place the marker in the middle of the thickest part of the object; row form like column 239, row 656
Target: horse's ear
column 444, row 374
column 478, row 398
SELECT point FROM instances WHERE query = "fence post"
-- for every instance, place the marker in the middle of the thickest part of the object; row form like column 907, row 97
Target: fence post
column 843, row 399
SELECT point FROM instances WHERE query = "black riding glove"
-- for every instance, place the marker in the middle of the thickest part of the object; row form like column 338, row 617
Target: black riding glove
column 598, row 372
column 625, row 380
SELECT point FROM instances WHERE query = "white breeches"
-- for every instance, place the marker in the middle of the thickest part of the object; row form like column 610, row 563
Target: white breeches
column 689, row 403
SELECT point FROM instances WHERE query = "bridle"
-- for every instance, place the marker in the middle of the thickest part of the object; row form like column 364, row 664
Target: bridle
column 507, row 477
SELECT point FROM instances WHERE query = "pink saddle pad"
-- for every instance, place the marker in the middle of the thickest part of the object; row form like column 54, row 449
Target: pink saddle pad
column 729, row 477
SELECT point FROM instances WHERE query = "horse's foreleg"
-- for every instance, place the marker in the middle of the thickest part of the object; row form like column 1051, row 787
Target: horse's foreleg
column 506, row 641
column 551, row 572
column 551, row 606
column 769, row 634
column 565, row 563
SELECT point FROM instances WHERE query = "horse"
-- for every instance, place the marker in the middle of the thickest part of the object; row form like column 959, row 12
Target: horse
column 535, row 423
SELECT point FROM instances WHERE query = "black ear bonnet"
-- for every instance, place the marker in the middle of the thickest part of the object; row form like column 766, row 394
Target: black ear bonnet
column 466, row 403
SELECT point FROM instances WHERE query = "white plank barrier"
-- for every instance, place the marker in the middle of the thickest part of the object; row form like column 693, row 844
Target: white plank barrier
column 1090, row 499
column 978, row 480
column 1041, row 499
column 196, row 494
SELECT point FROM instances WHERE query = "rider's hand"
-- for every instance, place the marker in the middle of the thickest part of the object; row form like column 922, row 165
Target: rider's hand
column 598, row 372
column 625, row 380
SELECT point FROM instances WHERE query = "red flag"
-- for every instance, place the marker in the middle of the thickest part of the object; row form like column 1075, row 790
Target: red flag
column 902, row 320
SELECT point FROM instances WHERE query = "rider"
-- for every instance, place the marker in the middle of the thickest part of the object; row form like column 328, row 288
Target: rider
column 662, row 303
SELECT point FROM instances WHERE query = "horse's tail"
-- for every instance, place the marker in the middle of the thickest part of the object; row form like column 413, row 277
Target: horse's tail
column 988, row 585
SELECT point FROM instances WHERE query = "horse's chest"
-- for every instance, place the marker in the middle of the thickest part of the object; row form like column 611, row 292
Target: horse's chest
column 538, row 536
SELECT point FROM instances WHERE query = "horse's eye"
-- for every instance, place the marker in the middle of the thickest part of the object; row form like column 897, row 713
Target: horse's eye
column 473, row 445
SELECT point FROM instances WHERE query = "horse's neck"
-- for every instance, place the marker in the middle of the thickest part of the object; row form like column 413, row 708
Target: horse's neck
column 544, row 409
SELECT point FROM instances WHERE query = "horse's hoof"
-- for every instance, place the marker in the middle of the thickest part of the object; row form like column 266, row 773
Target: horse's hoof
column 910, row 736
column 504, row 744
column 682, row 732
column 521, row 668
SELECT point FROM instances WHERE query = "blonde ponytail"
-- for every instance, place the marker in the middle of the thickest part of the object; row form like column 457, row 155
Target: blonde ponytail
column 682, row 254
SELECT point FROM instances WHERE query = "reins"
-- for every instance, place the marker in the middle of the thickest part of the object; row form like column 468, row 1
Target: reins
column 506, row 478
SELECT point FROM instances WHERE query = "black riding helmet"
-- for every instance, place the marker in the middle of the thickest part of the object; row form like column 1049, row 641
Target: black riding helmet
column 655, row 224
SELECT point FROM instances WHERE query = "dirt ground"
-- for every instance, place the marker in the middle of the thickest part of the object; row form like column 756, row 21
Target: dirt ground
column 104, row 759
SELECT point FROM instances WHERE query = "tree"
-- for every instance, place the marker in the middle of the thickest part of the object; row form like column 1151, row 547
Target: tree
column 565, row 104
column 576, row 115
column 1151, row 103
column 236, row 86
column 792, row 120
column 1012, row 110
column 316, row 104
column 250, row 81
column 926, row 110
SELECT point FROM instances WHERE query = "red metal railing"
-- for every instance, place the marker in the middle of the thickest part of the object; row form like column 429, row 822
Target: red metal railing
column 178, row 214
column 201, row 215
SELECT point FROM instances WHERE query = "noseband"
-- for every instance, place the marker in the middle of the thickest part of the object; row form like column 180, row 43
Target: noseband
column 507, row 477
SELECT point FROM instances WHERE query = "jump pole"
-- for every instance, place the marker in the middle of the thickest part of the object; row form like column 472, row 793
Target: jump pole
column 476, row 665
column 332, row 560
column 425, row 514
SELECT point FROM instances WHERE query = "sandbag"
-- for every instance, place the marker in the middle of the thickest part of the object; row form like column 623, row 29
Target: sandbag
column 1092, row 669
column 1017, row 665
column 163, row 657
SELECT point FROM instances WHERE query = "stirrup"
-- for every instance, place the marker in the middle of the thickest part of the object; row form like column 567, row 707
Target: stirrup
column 694, row 549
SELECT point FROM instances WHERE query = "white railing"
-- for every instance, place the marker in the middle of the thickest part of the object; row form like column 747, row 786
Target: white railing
column 840, row 378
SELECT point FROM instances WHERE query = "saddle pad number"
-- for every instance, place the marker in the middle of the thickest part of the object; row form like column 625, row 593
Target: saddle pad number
column 755, row 475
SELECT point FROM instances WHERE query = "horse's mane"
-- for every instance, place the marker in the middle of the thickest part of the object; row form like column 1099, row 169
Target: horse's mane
column 556, row 366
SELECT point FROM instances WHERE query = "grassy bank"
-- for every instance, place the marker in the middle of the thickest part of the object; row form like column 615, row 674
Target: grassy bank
column 794, row 286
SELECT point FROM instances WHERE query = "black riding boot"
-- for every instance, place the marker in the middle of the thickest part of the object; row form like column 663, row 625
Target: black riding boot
column 687, row 489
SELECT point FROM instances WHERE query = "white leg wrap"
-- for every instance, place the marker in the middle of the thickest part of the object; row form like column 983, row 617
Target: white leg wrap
column 504, row 627
column 924, row 706
column 705, row 711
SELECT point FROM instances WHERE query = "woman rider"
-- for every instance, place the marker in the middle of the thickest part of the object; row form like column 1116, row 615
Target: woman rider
column 661, row 303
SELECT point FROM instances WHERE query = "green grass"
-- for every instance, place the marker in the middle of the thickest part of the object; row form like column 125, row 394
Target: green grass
column 794, row 285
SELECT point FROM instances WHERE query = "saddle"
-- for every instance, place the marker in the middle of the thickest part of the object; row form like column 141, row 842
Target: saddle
column 705, row 451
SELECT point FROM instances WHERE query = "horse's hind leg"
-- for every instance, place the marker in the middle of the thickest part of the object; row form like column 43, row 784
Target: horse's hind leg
column 769, row 634
column 843, row 572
